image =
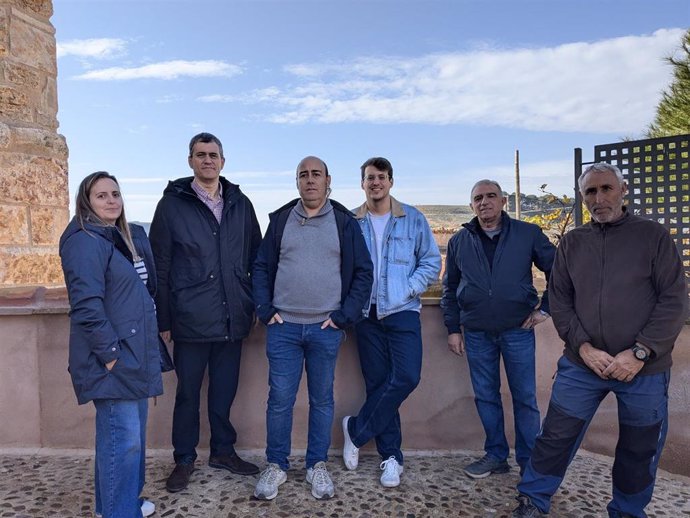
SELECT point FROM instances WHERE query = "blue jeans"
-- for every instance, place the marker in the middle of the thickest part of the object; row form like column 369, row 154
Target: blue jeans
column 290, row 348
column 390, row 354
column 120, row 456
column 484, row 351
column 642, row 423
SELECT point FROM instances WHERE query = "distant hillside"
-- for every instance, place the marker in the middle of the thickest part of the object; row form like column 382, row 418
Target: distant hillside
column 448, row 217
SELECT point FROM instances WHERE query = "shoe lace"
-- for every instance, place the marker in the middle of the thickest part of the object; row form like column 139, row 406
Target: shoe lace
column 320, row 476
column 389, row 466
column 270, row 475
column 486, row 461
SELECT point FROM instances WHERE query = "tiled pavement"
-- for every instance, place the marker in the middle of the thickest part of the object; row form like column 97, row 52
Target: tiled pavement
column 43, row 483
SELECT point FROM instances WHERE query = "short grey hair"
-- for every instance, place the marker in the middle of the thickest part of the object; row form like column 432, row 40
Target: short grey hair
column 600, row 167
column 486, row 182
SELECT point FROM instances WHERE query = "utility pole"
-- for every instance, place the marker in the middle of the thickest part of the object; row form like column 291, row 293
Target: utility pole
column 517, row 184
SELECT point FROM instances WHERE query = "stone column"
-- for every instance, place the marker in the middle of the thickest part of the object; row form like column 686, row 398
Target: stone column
column 34, row 197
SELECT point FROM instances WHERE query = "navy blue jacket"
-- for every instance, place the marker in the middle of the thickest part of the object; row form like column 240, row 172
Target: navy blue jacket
column 500, row 297
column 112, row 314
column 356, row 269
column 204, row 282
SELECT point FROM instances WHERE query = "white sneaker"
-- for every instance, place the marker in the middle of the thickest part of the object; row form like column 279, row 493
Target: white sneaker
column 269, row 481
column 350, row 451
column 391, row 472
column 147, row 509
column 320, row 480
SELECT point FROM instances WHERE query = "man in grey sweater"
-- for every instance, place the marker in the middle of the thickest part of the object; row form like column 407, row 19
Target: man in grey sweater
column 312, row 278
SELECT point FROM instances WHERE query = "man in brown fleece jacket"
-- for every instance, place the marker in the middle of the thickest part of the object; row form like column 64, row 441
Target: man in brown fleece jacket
column 618, row 300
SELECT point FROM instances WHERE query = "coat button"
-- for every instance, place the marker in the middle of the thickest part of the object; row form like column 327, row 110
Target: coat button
column 133, row 331
column 211, row 276
column 114, row 349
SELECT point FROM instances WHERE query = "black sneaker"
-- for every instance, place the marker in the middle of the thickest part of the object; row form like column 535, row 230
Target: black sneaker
column 525, row 509
column 486, row 466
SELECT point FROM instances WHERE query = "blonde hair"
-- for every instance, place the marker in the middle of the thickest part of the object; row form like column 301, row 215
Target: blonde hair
column 85, row 213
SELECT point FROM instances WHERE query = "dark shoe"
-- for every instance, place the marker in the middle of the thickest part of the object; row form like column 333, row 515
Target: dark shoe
column 525, row 509
column 179, row 478
column 233, row 464
column 486, row 466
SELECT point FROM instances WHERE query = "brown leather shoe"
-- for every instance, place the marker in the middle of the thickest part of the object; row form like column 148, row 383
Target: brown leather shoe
column 179, row 478
column 234, row 464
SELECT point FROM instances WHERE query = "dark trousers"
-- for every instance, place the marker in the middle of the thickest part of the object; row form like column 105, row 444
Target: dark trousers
column 191, row 359
column 390, row 354
column 642, row 423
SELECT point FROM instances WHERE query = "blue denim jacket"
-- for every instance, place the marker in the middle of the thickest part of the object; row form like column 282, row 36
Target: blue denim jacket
column 411, row 260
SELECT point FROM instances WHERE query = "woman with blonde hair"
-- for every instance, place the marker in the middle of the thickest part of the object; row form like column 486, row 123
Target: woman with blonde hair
column 114, row 357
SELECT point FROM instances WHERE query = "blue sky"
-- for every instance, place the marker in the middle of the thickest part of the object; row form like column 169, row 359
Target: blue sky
column 446, row 90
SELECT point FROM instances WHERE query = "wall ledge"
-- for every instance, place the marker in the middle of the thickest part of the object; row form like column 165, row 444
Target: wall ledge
column 33, row 300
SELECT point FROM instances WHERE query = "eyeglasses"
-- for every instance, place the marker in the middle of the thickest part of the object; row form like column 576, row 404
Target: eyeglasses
column 373, row 177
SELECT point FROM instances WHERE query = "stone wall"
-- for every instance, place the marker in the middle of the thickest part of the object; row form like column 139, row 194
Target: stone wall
column 34, row 196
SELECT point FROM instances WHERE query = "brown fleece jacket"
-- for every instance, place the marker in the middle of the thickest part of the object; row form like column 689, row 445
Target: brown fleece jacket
column 618, row 283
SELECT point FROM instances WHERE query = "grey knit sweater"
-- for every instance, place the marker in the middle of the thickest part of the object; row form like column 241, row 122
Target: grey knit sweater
column 308, row 285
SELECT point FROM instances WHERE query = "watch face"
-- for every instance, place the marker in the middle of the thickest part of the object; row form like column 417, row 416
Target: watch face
column 640, row 354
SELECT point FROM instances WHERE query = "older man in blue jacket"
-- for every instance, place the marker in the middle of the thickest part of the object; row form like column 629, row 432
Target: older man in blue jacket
column 490, row 308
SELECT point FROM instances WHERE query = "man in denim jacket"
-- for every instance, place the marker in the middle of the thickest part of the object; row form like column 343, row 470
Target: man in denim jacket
column 406, row 261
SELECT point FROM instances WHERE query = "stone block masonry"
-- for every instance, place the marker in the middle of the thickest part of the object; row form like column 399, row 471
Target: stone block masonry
column 34, row 196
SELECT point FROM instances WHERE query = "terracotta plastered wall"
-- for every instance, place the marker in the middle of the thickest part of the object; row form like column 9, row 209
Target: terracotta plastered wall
column 34, row 195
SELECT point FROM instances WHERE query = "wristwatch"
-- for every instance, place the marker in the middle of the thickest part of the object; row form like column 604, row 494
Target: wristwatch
column 640, row 353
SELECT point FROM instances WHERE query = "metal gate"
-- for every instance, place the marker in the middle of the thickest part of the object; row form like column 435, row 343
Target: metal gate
column 658, row 175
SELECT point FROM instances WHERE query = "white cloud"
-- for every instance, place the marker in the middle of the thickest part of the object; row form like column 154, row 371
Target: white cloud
column 260, row 95
column 96, row 48
column 170, row 98
column 608, row 86
column 165, row 70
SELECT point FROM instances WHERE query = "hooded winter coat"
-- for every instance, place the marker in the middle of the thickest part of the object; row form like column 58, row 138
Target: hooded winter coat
column 112, row 314
column 203, row 267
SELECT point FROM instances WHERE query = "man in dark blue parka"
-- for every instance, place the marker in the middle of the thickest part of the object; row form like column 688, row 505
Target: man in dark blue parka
column 490, row 308
column 205, row 236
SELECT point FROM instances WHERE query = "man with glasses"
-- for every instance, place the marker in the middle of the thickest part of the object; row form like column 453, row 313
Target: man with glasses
column 204, row 236
column 312, row 277
column 389, row 338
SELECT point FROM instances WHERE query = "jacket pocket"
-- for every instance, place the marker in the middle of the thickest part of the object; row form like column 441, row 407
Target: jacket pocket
column 187, row 278
column 132, row 349
column 244, row 281
column 401, row 249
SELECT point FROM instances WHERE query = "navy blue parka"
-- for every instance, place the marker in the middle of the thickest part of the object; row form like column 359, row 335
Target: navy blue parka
column 204, row 267
column 500, row 296
column 112, row 314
